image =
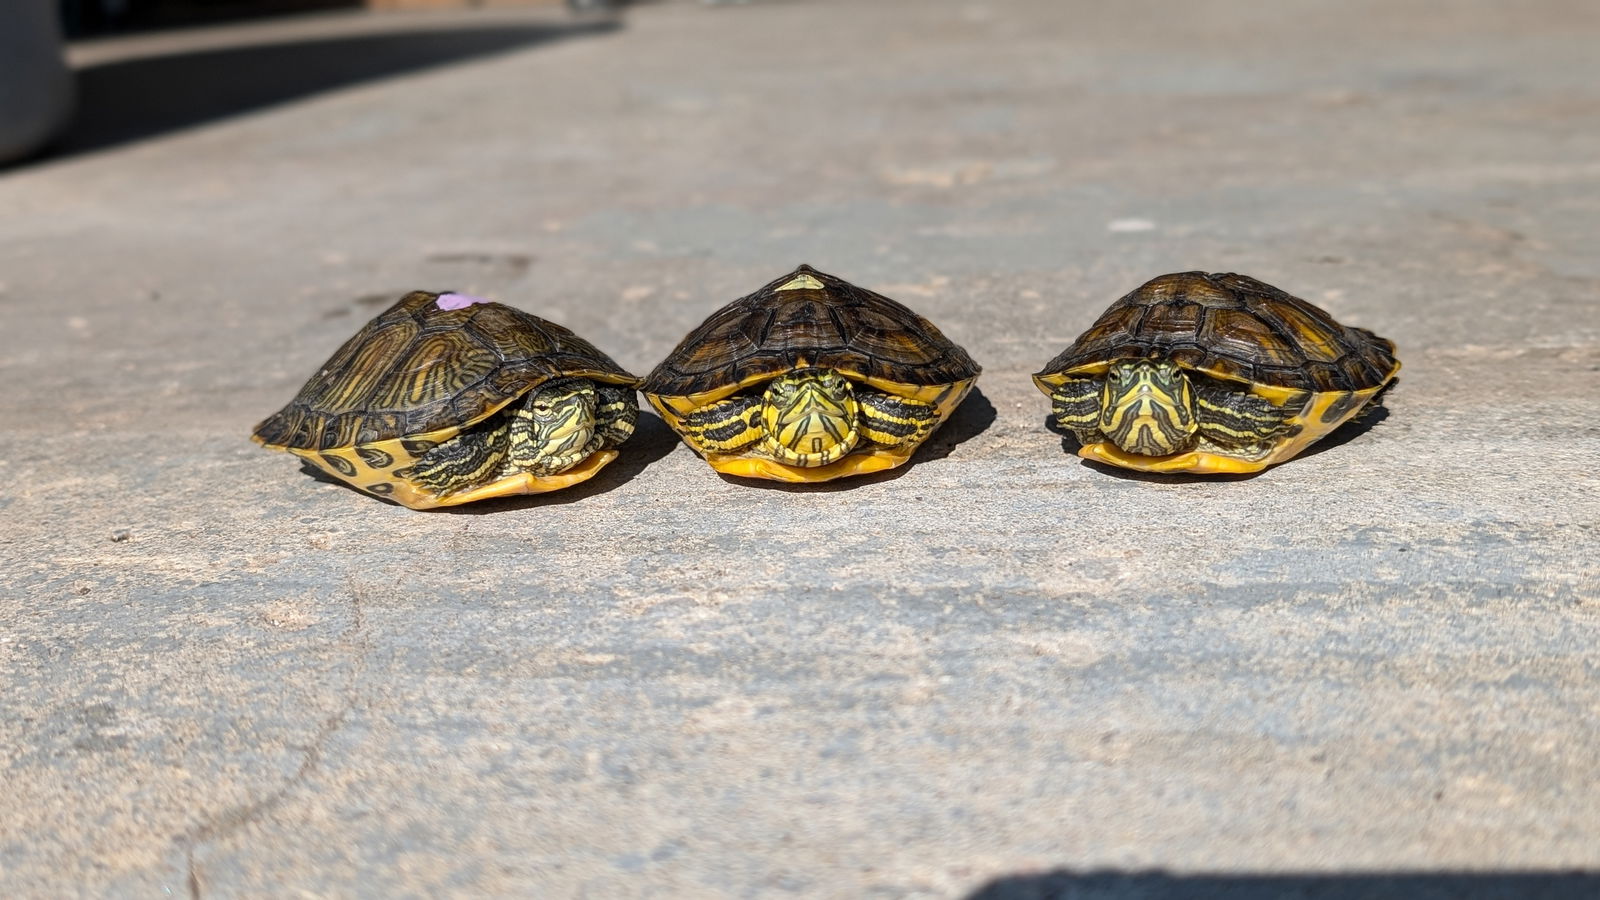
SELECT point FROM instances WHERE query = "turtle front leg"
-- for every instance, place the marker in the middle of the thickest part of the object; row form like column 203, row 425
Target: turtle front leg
column 1238, row 421
column 1076, row 403
column 895, row 421
column 727, row 426
column 616, row 410
column 470, row 459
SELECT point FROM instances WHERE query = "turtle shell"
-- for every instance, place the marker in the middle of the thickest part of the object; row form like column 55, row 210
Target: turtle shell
column 416, row 376
column 1231, row 327
column 809, row 318
column 418, row 369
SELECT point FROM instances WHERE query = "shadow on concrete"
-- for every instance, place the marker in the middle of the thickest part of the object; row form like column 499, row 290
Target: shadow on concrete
column 89, row 17
column 651, row 440
column 1364, row 422
column 1111, row 885
column 972, row 418
column 129, row 100
column 83, row 18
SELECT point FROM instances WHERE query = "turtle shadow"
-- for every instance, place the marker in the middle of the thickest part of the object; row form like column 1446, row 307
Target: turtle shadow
column 1363, row 422
column 651, row 440
column 972, row 418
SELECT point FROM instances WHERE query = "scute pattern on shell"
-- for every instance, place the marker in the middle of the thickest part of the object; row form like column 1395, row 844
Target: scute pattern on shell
column 1233, row 327
column 839, row 326
column 417, row 369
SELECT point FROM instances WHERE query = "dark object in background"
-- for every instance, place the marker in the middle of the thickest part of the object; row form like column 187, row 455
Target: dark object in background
column 89, row 17
column 35, row 87
column 1110, row 884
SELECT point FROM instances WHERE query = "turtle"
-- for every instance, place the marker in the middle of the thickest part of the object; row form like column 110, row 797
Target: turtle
column 809, row 379
column 446, row 398
column 1211, row 374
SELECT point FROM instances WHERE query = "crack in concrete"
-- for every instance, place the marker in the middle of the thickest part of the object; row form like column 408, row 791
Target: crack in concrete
column 238, row 817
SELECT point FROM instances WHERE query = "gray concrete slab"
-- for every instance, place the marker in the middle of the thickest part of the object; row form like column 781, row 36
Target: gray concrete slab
column 223, row 677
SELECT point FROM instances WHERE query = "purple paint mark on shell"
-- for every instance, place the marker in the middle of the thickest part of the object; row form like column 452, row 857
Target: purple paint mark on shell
column 453, row 300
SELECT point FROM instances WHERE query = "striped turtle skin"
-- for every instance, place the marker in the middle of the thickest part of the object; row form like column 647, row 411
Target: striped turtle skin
column 437, row 373
column 809, row 379
column 1212, row 373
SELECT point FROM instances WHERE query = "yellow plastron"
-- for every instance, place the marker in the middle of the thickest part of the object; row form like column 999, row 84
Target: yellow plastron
column 945, row 397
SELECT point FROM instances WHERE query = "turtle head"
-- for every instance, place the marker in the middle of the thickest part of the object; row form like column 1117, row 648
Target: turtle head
column 1147, row 407
column 809, row 417
column 555, row 426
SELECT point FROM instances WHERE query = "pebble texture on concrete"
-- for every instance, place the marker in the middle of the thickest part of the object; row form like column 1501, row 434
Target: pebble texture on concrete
column 223, row 676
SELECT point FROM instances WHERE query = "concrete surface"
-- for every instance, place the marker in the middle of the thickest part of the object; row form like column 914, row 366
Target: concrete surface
column 226, row 678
